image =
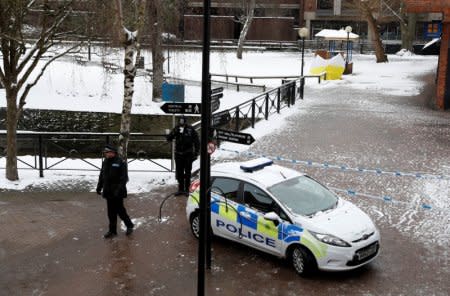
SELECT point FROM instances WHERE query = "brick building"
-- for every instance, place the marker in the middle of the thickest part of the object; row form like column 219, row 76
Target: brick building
column 443, row 76
column 284, row 17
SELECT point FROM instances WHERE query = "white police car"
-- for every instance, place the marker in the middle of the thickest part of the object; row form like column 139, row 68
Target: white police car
column 285, row 213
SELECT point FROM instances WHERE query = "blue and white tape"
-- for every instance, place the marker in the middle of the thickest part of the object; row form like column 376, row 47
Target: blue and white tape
column 385, row 198
column 327, row 165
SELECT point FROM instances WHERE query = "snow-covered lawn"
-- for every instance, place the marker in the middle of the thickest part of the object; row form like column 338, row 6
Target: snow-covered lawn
column 68, row 85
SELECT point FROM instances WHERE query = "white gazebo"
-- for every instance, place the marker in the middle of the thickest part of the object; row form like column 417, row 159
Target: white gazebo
column 340, row 35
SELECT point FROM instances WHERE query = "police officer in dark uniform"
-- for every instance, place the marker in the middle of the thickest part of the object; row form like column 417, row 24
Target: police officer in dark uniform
column 112, row 186
column 187, row 148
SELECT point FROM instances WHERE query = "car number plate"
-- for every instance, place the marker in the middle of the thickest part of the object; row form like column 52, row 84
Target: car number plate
column 367, row 252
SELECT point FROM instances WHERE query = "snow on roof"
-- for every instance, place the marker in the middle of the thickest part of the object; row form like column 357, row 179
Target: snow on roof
column 266, row 177
column 431, row 42
column 329, row 34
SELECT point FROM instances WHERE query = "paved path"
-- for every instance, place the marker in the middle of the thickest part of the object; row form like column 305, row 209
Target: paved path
column 51, row 242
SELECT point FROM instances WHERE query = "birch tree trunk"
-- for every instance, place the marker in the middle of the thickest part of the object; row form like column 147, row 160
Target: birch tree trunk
column 129, row 72
column 131, row 46
column 245, row 28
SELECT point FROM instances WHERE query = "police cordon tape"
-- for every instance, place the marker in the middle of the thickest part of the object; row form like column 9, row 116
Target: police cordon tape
column 385, row 198
column 343, row 167
column 351, row 192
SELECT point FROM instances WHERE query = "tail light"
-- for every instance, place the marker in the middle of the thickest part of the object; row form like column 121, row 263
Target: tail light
column 194, row 185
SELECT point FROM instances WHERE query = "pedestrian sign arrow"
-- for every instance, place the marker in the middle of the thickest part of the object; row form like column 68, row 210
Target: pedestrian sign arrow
column 182, row 108
column 220, row 118
column 234, row 137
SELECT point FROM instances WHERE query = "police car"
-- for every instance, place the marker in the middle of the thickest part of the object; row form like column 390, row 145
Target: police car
column 287, row 214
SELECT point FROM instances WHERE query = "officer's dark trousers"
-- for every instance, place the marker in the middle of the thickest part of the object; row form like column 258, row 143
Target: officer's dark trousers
column 116, row 208
column 183, row 165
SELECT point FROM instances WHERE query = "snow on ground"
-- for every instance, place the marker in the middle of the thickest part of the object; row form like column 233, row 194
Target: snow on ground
column 68, row 85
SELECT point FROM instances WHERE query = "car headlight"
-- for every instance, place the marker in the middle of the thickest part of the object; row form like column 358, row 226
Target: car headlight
column 330, row 239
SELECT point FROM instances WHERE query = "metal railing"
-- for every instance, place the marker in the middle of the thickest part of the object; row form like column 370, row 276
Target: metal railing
column 262, row 106
column 84, row 146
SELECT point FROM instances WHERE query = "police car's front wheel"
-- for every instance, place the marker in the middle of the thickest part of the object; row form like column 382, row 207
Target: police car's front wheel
column 302, row 261
column 195, row 224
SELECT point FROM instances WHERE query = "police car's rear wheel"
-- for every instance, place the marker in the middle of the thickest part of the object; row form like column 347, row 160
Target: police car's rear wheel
column 195, row 224
column 302, row 261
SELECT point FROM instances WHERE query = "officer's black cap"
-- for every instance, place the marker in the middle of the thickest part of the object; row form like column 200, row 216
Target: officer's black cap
column 109, row 148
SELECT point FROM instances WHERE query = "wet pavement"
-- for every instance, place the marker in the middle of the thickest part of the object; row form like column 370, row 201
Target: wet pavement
column 51, row 242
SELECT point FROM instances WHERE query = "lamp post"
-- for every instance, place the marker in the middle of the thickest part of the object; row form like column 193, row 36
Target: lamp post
column 302, row 33
column 348, row 29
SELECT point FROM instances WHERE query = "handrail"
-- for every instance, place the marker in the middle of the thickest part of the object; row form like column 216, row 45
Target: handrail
column 67, row 146
column 263, row 99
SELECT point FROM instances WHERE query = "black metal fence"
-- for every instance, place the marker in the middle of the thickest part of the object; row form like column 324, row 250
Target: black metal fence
column 44, row 146
column 262, row 106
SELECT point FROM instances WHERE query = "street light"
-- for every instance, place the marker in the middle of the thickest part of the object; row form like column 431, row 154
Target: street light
column 303, row 33
column 348, row 29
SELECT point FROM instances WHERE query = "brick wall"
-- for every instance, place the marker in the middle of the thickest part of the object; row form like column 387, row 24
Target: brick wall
column 443, row 80
column 443, row 87
column 426, row 5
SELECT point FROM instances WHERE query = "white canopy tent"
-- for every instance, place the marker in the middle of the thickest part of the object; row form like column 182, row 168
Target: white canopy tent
column 334, row 36
column 341, row 35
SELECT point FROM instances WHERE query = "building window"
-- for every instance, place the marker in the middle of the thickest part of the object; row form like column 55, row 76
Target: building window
column 325, row 4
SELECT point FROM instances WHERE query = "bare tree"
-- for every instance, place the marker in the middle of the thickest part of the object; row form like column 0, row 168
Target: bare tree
column 128, row 39
column 155, row 18
column 370, row 10
column 20, row 60
column 396, row 8
column 250, row 12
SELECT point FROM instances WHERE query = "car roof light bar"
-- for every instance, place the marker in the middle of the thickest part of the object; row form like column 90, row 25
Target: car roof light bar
column 255, row 164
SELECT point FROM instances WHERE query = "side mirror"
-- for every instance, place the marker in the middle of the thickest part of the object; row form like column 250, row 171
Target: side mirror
column 272, row 216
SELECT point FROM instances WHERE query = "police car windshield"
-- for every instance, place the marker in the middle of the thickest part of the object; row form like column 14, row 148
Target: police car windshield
column 304, row 196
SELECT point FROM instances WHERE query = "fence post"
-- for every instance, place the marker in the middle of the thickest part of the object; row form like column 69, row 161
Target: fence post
column 41, row 165
column 266, row 115
column 253, row 113
column 279, row 99
column 302, row 86
column 237, row 119
column 292, row 93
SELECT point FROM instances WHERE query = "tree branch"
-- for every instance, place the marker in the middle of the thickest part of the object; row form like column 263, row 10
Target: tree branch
column 33, row 83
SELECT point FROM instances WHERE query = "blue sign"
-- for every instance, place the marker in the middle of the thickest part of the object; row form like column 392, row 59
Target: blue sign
column 432, row 30
column 173, row 92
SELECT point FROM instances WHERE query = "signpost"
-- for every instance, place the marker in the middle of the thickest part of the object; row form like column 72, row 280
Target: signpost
column 217, row 96
column 220, row 118
column 182, row 108
column 234, row 137
column 215, row 104
column 216, row 90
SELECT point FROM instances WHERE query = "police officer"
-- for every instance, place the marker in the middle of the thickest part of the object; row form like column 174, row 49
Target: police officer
column 112, row 180
column 187, row 148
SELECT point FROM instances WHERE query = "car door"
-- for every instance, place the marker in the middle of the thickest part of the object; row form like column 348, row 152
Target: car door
column 256, row 231
column 224, row 214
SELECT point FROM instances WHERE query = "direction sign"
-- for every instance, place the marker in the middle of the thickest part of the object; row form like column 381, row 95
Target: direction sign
column 217, row 96
column 215, row 104
column 216, row 90
column 182, row 108
column 220, row 118
column 234, row 137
